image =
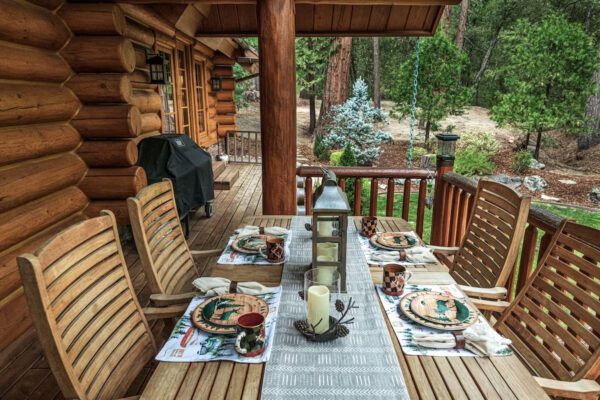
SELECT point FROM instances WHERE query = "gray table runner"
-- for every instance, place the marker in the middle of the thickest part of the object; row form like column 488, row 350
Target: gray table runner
column 361, row 365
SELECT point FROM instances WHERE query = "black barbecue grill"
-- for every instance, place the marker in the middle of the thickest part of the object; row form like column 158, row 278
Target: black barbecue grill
column 189, row 167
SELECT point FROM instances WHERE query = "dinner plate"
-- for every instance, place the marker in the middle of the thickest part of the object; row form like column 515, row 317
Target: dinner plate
column 404, row 308
column 219, row 314
column 439, row 308
column 396, row 240
column 249, row 244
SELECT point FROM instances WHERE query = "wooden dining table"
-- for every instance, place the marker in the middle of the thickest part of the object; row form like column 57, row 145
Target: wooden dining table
column 426, row 377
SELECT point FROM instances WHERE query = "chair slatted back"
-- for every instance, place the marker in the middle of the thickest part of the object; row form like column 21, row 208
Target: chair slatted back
column 489, row 249
column 554, row 322
column 160, row 240
column 85, row 310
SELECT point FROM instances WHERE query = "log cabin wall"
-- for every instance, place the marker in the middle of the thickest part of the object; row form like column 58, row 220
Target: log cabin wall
column 225, row 104
column 39, row 168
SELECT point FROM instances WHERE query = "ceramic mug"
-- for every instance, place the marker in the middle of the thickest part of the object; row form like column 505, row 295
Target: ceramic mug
column 368, row 226
column 395, row 277
column 275, row 249
column 250, row 342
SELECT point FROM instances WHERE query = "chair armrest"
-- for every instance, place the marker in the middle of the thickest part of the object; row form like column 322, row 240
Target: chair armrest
column 495, row 293
column 161, row 300
column 175, row 311
column 206, row 253
column 444, row 250
column 490, row 305
column 581, row 389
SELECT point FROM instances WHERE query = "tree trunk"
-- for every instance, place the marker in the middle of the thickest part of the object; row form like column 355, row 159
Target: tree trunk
column 376, row 76
column 313, row 113
column 538, row 144
column 446, row 18
column 484, row 63
column 527, row 138
column 427, row 130
column 462, row 25
column 591, row 136
column 336, row 82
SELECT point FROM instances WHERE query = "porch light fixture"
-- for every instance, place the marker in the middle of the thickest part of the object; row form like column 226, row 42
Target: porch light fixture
column 215, row 84
column 158, row 68
column 330, row 228
column 446, row 146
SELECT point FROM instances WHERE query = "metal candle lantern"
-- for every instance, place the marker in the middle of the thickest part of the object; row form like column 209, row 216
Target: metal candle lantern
column 158, row 68
column 446, row 146
column 215, row 84
column 330, row 226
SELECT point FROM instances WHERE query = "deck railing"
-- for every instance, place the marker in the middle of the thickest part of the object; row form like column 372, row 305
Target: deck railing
column 375, row 175
column 242, row 146
column 456, row 203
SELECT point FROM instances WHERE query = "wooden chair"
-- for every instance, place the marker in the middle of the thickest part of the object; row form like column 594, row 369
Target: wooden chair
column 554, row 322
column 91, row 326
column 166, row 258
column 488, row 252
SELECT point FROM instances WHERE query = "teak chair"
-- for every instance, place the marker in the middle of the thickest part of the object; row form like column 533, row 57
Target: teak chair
column 166, row 258
column 554, row 322
column 488, row 252
column 91, row 326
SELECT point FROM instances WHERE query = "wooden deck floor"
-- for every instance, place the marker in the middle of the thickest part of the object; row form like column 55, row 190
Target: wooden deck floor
column 24, row 372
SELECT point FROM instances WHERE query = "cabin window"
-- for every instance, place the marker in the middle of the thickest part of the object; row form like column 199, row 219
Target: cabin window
column 168, row 97
column 182, row 87
column 200, row 95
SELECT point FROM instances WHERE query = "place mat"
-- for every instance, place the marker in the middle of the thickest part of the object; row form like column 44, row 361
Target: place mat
column 362, row 365
column 379, row 256
column 189, row 344
column 405, row 328
column 230, row 256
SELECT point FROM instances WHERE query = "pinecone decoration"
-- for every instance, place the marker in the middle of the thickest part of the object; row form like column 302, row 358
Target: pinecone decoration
column 301, row 325
column 339, row 305
column 301, row 294
column 341, row 330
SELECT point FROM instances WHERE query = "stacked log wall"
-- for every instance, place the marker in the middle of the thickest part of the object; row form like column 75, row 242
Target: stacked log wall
column 114, row 112
column 225, row 108
column 39, row 168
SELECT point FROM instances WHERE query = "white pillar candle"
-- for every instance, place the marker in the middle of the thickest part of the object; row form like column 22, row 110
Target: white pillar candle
column 325, row 228
column 325, row 274
column 318, row 308
column 327, row 250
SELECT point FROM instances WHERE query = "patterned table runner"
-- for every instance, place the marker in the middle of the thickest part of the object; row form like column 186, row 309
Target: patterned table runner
column 189, row 344
column 362, row 365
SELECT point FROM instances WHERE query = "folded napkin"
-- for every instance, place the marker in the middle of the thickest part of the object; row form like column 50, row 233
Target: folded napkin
column 250, row 230
column 209, row 286
column 480, row 339
column 415, row 255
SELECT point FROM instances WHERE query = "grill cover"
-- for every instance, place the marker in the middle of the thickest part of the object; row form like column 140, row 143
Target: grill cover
column 180, row 159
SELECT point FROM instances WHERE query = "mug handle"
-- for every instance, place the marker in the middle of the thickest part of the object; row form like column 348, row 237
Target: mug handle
column 408, row 276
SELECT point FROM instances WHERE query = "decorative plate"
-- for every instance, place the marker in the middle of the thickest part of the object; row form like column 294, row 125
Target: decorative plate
column 404, row 308
column 440, row 308
column 219, row 314
column 395, row 240
column 249, row 244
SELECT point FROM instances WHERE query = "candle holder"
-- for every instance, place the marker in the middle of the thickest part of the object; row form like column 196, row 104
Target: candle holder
column 337, row 326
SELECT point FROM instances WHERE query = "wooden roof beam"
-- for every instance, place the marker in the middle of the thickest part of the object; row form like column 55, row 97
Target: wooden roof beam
column 316, row 2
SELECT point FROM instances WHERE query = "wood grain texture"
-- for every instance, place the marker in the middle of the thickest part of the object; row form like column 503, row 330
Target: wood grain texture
column 100, row 54
column 32, row 64
column 108, row 121
column 93, row 19
column 101, row 88
column 113, row 183
column 105, row 153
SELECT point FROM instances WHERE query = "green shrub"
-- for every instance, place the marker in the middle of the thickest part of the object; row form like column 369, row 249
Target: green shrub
column 348, row 157
column 335, row 158
column 483, row 142
column 418, row 152
column 471, row 162
column 320, row 149
column 521, row 161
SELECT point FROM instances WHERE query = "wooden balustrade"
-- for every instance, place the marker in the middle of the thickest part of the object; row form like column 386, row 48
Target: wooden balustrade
column 242, row 146
column 375, row 175
column 457, row 202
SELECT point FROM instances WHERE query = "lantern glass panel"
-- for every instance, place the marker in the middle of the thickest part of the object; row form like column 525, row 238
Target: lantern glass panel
column 215, row 84
column 157, row 67
column 446, row 144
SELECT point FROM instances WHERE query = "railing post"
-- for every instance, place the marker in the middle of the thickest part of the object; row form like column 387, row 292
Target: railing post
column 443, row 166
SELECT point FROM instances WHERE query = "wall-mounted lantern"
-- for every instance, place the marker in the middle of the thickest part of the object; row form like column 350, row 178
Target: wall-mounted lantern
column 215, row 83
column 158, row 68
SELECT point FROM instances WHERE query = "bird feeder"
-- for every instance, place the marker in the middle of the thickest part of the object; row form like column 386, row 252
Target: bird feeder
column 330, row 227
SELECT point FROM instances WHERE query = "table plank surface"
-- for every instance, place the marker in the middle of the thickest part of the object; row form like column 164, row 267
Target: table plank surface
column 426, row 377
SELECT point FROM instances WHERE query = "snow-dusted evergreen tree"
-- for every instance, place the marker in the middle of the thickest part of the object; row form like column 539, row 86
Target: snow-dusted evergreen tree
column 353, row 123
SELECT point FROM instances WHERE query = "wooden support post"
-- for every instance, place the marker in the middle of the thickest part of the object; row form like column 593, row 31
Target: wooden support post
column 442, row 166
column 276, row 22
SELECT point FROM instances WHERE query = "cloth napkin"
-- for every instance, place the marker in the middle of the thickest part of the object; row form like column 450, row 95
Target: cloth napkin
column 415, row 255
column 480, row 339
column 213, row 286
column 250, row 230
